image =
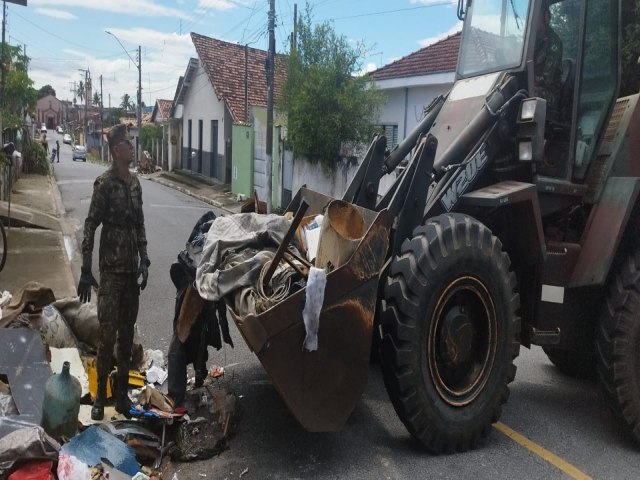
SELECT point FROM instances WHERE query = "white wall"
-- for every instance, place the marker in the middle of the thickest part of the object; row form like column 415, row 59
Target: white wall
column 404, row 108
column 201, row 103
column 313, row 175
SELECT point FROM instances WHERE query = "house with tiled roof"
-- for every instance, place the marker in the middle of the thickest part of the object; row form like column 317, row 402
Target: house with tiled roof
column 412, row 82
column 224, row 87
column 161, row 115
column 161, row 111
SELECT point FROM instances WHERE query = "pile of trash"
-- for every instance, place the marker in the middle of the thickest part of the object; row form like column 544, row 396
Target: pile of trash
column 145, row 165
column 47, row 385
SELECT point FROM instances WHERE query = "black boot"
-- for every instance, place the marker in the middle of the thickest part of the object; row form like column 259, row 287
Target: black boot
column 123, row 404
column 97, row 411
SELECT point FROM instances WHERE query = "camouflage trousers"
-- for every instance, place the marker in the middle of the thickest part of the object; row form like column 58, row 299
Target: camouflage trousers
column 118, row 300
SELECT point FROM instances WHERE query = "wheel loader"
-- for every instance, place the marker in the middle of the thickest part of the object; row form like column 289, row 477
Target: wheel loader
column 511, row 224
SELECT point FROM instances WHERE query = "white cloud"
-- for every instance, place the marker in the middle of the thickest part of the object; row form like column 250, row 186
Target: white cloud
column 75, row 53
column 434, row 2
column 164, row 60
column 431, row 40
column 59, row 14
column 222, row 4
column 146, row 8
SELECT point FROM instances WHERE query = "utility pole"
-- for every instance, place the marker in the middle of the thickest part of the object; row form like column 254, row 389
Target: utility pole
column 101, row 117
column 270, row 69
column 139, row 141
column 294, row 40
column 3, row 71
column 84, row 120
column 138, row 65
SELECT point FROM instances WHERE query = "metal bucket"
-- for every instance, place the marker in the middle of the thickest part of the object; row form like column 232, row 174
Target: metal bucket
column 321, row 388
column 342, row 229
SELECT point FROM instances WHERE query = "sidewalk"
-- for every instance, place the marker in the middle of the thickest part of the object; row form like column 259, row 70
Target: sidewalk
column 36, row 240
column 199, row 187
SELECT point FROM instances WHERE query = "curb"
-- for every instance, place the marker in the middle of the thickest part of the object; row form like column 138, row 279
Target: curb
column 67, row 236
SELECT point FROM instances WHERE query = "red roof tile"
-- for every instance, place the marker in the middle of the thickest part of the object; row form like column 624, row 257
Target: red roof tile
column 440, row 57
column 224, row 63
column 164, row 108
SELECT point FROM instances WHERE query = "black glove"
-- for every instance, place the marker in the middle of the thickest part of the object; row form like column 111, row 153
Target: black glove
column 87, row 280
column 143, row 270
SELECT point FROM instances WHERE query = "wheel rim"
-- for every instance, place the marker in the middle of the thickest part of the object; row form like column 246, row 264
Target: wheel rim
column 461, row 344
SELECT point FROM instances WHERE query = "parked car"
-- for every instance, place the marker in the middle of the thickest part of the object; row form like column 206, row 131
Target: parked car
column 43, row 128
column 79, row 153
column 59, row 129
column 66, row 138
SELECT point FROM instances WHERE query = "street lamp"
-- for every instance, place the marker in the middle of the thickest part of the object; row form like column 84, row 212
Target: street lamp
column 138, row 65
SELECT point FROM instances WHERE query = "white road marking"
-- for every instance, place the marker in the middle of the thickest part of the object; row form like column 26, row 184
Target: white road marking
column 157, row 205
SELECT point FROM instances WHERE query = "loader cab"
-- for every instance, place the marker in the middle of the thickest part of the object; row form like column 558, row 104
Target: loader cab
column 500, row 36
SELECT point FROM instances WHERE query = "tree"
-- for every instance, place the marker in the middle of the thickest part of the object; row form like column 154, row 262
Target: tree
column 96, row 99
column 19, row 94
column 46, row 90
column 127, row 103
column 80, row 91
column 150, row 133
column 113, row 116
column 325, row 103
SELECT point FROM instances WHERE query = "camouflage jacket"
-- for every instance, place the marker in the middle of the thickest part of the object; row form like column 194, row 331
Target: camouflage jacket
column 547, row 68
column 117, row 205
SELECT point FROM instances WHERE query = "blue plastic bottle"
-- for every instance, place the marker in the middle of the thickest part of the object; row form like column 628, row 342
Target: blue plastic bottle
column 61, row 404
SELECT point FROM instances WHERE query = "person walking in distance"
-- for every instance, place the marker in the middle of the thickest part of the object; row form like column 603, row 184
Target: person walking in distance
column 123, row 262
column 58, row 150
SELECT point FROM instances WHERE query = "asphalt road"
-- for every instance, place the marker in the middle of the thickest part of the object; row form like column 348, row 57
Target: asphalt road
column 552, row 427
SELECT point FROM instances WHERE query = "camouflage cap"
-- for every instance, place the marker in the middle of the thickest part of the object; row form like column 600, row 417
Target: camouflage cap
column 117, row 134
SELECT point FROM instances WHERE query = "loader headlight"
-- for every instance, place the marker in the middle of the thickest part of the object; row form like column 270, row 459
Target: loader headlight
column 528, row 109
column 525, row 151
column 530, row 129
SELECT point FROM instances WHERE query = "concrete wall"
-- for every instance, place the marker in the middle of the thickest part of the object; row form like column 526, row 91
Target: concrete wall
column 201, row 103
column 318, row 178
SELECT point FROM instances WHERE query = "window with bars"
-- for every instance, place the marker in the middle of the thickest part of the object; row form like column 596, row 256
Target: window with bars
column 391, row 132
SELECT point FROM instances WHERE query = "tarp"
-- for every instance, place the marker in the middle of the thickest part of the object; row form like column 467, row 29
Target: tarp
column 218, row 274
column 30, row 443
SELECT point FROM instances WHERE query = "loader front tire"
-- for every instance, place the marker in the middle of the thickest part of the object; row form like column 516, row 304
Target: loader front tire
column 618, row 346
column 450, row 332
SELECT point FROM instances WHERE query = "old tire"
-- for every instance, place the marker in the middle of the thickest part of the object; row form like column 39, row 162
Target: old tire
column 618, row 346
column 450, row 331
column 574, row 363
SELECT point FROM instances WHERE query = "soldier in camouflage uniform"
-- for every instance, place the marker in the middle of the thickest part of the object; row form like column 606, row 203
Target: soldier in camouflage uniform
column 117, row 205
column 547, row 66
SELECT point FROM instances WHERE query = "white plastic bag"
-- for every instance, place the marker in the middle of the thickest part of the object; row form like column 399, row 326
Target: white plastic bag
column 70, row 468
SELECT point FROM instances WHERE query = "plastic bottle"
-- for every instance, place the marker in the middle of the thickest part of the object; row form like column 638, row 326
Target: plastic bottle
column 61, row 404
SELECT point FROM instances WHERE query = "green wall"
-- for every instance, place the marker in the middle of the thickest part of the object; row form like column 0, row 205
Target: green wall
column 242, row 160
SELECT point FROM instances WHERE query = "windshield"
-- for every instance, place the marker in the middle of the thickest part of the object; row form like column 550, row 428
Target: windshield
column 493, row 38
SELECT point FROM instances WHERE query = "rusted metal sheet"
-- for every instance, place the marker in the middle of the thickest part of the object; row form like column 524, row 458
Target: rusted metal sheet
column 321, row 388
column 604, row 231
column 23, row 361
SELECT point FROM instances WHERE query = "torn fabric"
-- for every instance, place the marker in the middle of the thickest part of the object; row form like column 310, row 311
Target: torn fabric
column 312, row 307
column 232, row 234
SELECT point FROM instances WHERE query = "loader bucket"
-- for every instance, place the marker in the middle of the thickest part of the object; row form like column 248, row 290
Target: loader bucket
column 321, row 388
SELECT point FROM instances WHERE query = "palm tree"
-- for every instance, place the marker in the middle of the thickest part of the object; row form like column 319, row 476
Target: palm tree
column 80, row 90
column 126, row 103
column 96, row 99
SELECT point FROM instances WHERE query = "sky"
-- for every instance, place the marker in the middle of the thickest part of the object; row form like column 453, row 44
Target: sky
column 64, row 38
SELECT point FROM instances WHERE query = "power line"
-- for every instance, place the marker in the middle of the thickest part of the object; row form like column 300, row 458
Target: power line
column 371, row 14
column 84, row 47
